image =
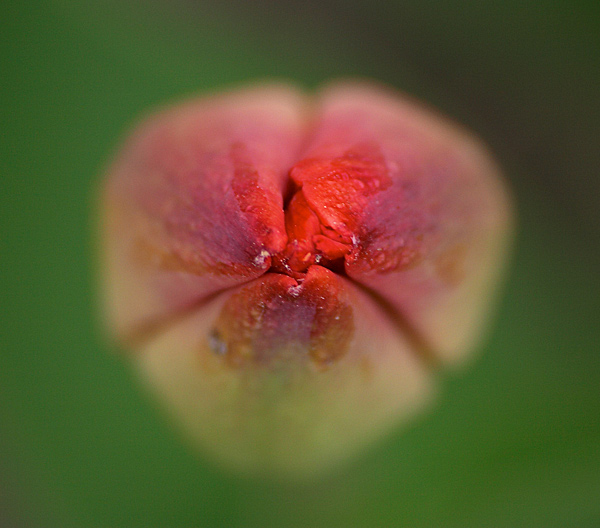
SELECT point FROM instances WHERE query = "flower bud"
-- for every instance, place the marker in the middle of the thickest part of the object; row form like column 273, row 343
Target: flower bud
column 289, row 270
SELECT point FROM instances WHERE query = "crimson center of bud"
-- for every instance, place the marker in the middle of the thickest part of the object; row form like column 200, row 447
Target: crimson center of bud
column 322, row 219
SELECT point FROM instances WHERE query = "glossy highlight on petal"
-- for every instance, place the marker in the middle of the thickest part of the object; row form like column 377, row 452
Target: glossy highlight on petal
column 289, row 269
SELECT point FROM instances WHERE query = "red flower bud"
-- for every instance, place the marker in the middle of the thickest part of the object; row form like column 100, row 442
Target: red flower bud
column 288, row 269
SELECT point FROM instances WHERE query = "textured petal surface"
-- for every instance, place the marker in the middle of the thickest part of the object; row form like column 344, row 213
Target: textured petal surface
column 282, row 408
column 426, row 210
column 194, row 204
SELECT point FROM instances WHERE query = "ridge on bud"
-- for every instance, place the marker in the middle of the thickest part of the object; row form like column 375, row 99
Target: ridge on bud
column 285, row 267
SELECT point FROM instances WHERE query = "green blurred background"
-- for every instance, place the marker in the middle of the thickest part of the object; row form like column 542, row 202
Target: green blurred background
column 514, row 440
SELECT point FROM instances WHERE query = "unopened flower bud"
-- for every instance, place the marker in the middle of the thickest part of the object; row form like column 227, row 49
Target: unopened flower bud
column 289, row 270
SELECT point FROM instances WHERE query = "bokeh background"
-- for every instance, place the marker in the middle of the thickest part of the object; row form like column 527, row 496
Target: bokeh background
column 514, row 440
